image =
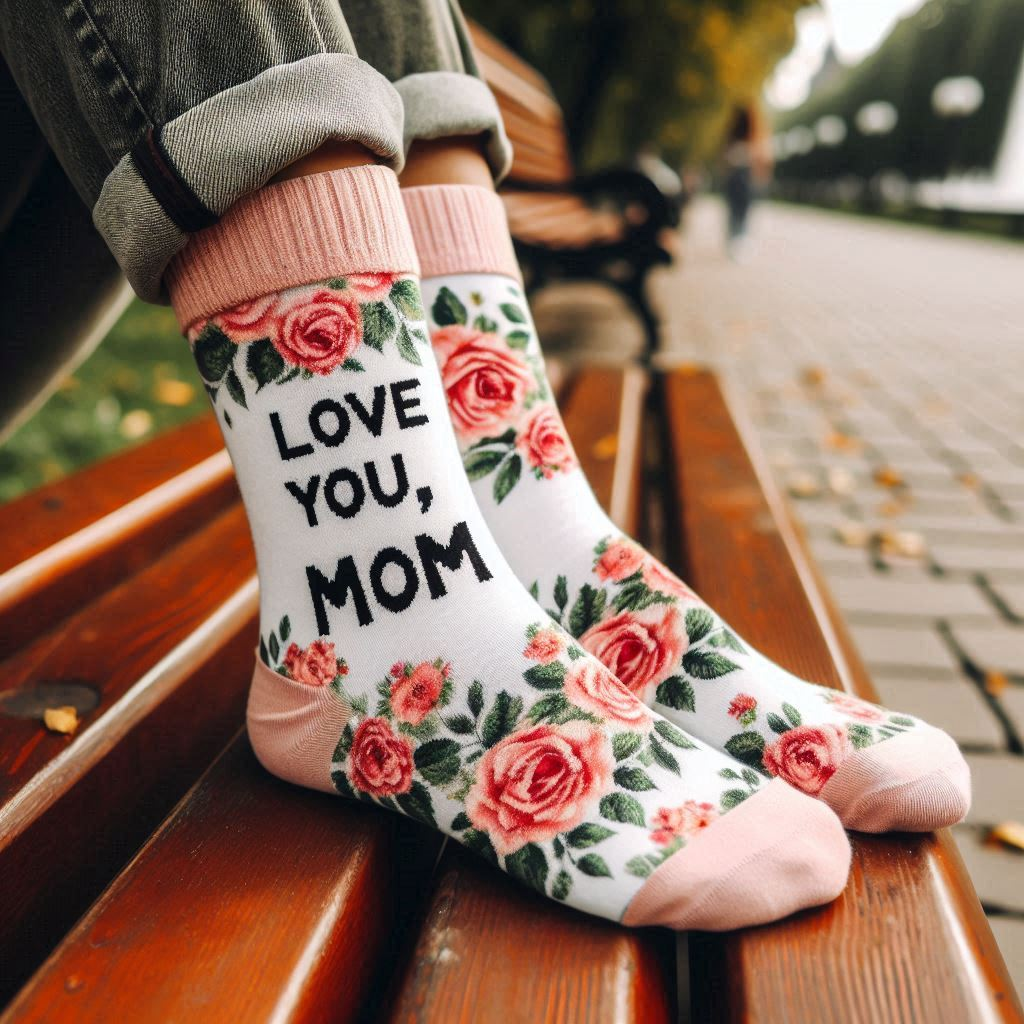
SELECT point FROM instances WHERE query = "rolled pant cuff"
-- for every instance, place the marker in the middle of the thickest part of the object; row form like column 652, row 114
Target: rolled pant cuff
column 443, row 104
column 187, row 173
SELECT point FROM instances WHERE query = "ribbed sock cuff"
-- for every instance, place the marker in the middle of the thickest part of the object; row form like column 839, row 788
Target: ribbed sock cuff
column 294, row 232
column 460, row 229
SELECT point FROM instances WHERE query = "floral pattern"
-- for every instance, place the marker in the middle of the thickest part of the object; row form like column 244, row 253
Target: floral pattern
column 312, row 330
column 497, row 392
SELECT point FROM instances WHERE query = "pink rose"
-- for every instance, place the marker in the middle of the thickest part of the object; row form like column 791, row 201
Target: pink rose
column 486, row 382
column 658, row 578
column 685, row 821
column 619, row 559
column 317, row 665
column 741, row 705
column 381, row 761
column 250, row 321
column 640, row 648
column 539, row 781
column 319, row 331
column 807, row 757
column 855, row 707
column 589, row 685
column 414, row 693
column 545, row 443
column 371, row 287
column 546, row 645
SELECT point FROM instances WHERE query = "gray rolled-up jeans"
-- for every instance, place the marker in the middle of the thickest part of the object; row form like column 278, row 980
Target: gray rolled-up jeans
column 165, row 112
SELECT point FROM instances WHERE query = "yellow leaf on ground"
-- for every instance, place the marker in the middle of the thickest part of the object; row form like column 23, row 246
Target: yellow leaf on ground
column 136, row 424
column 1009, row 833
column 63, row 720
column 606, row 447
column 173, row 392
column 887, row 476
column 995, row 683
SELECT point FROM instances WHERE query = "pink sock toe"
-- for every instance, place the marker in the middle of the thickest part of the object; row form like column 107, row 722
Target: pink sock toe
column 778, row 852
column 913, row 783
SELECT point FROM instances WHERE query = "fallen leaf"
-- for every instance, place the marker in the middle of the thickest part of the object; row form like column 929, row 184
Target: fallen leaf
column 606, row 447
column 995, row 682
column 841, row 481
column 813, row 376
column 841, row 442
column 901, row 542
column 136, row 424
column 853, row 535
column 803, row 485
column 1009, row 833
column 169, row 391
column 887, row 476
column 970, row 480
column 891, row 509
column 63, row 720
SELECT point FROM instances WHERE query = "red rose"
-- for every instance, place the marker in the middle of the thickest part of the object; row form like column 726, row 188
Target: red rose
column 545, row 646
column 319, row 330
column 317, row 665
column 589, row 685
column 619, row 559
column 545, row 444
column 856, row 708
column 486, row 382
column 807, row 757
column 413, row 696
column 640, row 648
column 371, row 287
column 741, row 704
column 381, row 762
column 539, row 781
column 658, row 578
column 250, row 321
column 685, row 821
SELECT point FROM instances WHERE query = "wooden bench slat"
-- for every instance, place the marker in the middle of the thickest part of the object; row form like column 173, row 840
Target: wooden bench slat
column 908, row 939
column 66, row 541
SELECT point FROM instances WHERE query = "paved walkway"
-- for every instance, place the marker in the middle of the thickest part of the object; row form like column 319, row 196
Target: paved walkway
column 884, row 365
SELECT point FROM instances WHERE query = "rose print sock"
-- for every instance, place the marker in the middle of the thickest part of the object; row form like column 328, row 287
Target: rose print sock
column 400, row 661
column 879, row 770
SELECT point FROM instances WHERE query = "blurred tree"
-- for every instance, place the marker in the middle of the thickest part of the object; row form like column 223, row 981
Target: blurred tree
column 630, row 72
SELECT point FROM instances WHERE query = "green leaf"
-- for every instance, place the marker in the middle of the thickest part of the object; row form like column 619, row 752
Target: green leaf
column 235, row 389
column 670, row 734
column 341, row 783
column 558, row 846
column 860, row 736
column 751, row 778
column 594, row 866
column 792, row 714
column 507, row 439
column 275, row 647
column 707, row 664
column 563, row 883
column 476, row 698
column 482, row 323
column 405, row 294
column 507, row 478
column 622, row 807
column 213, row 353
column 513, row 312
column 406, row 348
column 529, row 865
column 625, row 744
column 353, row 365
column 732, row 797
column 561, row 592
column 588, row 834
column 728, row 773
column 447, row 309
column 263, row 362
column 699, row 622
column 901, row 720
column 438, row 761
column 727, row 638
column 777, row 724
column 417, row 804
column 635, row 779
column 338, row 284
column 551, row 706
column 638, row 867
column 479, row 463
column 461, row 725
column 676, row 692
column 747, row 747
column 284, row 628
column 664, row 757
column 480, row 842
column 546, row 677
column 501, row 719
column 461, row 822
column 517, row 339
column 378, row 324
column 535, row 590
column 586, row 610
column 264, row 653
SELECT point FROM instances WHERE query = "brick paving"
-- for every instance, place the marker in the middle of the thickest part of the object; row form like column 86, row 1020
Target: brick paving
column 884, row 367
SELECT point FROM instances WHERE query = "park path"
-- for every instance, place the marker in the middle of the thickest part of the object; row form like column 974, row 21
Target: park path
column 883, row 365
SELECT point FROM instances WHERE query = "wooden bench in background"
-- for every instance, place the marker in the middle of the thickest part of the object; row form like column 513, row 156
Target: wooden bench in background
column 251, row 899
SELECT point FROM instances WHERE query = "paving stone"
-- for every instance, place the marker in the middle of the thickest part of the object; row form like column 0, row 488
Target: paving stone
column 1012, row 701
column 993, row 562
column 952, row 704
column 905, row 650
column 1009, row 933
column 996, row 870
column 929, row 596
column 1012, row 595
column 999, row 648
column 997, row 784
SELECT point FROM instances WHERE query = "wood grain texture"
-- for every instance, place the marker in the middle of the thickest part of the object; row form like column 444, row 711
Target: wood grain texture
column 63, row 543
column 489, row 949
column 907, row 941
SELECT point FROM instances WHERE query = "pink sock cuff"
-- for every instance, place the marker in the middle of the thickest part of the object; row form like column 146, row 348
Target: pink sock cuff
column 291, row 233
column 460, row 229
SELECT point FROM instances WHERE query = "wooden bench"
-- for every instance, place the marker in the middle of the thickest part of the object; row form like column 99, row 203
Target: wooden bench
column 145, row 876
column 613, row 226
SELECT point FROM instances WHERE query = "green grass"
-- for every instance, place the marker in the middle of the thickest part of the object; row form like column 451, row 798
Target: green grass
column 139, row 381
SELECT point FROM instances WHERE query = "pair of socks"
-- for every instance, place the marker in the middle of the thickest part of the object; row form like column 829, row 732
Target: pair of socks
column 450, row 626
